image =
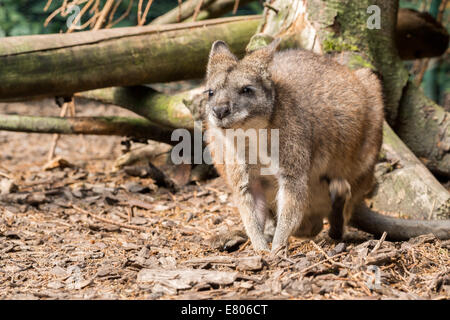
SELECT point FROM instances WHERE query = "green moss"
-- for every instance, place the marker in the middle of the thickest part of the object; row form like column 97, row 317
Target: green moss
column 358, row 62
column 258, row 41
column 337, row 44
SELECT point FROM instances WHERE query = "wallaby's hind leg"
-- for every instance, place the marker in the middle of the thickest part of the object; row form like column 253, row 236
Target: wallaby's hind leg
column 340, row 192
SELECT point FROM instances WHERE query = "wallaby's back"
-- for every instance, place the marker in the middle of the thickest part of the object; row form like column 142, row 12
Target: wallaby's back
column 339, row 111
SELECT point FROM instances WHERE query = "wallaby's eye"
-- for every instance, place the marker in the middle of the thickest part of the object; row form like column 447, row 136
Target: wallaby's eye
column 247, row 90
column 209, row 92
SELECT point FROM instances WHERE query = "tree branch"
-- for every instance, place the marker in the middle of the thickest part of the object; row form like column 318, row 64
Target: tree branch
column 217, row 9
column 62, row 64
column 166, row 110
column 119, row 126
column 184, row 11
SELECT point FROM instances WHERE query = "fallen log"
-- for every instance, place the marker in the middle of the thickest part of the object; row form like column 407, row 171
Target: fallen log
column 166, row 110
column 119, row 126
column 404, row 185
column 62, row 64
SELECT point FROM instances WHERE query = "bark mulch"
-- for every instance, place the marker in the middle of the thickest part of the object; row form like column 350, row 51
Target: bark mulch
column 82, row 231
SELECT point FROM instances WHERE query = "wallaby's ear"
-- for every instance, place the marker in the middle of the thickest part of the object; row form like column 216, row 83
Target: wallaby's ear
column 219, row 46
column 220, row 58
column 259, row 59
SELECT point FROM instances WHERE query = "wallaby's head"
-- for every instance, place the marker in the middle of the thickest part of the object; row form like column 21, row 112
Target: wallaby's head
column 239, row 91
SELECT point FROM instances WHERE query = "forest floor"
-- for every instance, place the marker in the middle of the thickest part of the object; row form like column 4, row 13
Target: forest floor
column 86, row 232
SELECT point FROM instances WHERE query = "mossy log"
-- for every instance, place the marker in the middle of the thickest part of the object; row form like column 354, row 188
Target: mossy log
column 166, row 110
column 119, row 126
column 404, row 184
column 62, row 64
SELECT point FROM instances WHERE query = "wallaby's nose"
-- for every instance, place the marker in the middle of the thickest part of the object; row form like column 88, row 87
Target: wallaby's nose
column 221, row 112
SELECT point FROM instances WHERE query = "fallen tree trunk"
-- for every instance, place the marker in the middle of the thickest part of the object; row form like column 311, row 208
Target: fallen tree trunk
column 119, row 126
column 166, row 110
column 404, row 185
column 62, row 64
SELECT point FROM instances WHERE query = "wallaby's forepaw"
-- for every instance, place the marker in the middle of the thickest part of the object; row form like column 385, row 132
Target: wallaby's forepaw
column 261, row 248
column 279, row 251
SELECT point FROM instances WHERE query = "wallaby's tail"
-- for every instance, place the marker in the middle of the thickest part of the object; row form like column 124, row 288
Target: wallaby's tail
column 397, row 229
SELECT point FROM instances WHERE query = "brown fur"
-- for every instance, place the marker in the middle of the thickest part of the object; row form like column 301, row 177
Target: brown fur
column 330, row 125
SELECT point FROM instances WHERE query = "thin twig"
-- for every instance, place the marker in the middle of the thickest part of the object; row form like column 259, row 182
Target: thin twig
column 179, row 10
column 102, row 18
column 113, row 11
column 94, row 8
column 49, row 2
column 245, row 245
column 322, row 261
column 327, row 257
column 122, row 225
column 51, row 152
column 268, row 6
column 423, row 68
column 123, row 16
column 5, row 175
column 197, row 9
column 139, row 13
column 432, row 210
column 144, row 16
column 236, row 6
column 90, row 22
column 379, row 243
column 130, row 214
column 51, row 16
column 64, row 11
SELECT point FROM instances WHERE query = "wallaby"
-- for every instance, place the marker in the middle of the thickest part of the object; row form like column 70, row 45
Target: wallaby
column 329, row 122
